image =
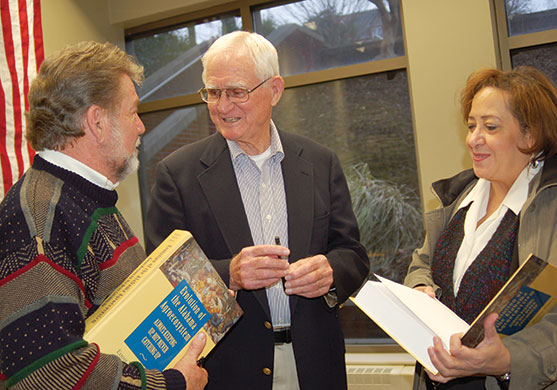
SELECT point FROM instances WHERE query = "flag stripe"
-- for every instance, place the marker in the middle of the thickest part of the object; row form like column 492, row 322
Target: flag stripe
column 22, row 46
column 4, row 160
column 19, row 39
column 38, row 34
column 37, row 55
column 28, row 71
column 26, row 40
column 7, row 129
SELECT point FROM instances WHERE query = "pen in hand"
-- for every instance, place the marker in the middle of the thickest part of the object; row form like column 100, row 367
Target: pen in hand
column 277, row 242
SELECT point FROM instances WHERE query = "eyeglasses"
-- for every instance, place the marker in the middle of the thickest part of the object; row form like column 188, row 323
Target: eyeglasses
column 235, row 95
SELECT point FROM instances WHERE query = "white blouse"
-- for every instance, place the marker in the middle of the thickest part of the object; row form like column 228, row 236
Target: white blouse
column 476, row 237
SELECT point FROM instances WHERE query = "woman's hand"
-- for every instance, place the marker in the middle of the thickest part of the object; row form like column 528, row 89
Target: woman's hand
column 490, row 357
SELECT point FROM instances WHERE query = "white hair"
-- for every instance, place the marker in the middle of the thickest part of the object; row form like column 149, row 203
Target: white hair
column 261, row 52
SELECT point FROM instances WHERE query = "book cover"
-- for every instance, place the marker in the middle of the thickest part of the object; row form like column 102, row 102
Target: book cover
column 174, row 294
column 412, row 318
column 526, row 297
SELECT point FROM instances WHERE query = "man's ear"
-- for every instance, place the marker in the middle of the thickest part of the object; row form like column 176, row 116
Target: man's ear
column 277, row 86
column 95, row 123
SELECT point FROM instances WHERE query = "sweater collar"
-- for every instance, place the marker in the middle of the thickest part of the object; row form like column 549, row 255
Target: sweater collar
column 103, row 196
column 71, row 164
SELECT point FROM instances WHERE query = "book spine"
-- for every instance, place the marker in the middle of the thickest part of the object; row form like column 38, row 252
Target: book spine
column 522, row 277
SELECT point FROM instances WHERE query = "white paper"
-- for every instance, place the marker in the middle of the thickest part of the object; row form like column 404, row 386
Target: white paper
column 410, row 317
column 438, row 317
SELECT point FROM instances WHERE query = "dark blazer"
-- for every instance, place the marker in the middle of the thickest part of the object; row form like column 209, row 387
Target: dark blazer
column 196, row 190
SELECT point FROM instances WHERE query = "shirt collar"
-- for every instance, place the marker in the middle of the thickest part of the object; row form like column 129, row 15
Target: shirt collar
column 517, row 195
column 62, row 160
column 276, row 145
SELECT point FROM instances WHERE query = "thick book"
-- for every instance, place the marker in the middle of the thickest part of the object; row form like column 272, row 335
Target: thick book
column 152, row 316
column 412, row 318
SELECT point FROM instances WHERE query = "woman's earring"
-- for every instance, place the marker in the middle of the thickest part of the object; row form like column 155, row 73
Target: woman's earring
column 534, row 163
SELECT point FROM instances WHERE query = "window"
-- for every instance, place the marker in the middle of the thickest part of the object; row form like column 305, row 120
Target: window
column 540, row 56
column 314, row 34
column 529, row 16
column 166, row 131
column 528, row 34
column 172, row 55
column 346, row 85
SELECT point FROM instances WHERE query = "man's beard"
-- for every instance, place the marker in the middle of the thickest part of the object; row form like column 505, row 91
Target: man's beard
column 121, row 164
column 129, row 165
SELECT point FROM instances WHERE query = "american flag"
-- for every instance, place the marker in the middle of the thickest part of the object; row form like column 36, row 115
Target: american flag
column 22, row 53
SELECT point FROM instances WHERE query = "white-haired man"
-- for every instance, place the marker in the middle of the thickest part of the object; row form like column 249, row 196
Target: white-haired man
column 238, row 191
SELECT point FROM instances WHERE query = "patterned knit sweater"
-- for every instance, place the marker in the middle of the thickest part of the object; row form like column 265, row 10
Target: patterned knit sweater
column 63, row 247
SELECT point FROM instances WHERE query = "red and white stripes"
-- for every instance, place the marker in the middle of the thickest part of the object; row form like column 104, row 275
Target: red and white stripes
column 22, row 52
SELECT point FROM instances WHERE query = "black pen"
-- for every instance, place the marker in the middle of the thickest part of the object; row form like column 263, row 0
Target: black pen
column 277, row 242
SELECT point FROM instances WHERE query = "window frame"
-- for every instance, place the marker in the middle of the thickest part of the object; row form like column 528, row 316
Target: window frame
column 508, row 43
column 244, row 7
